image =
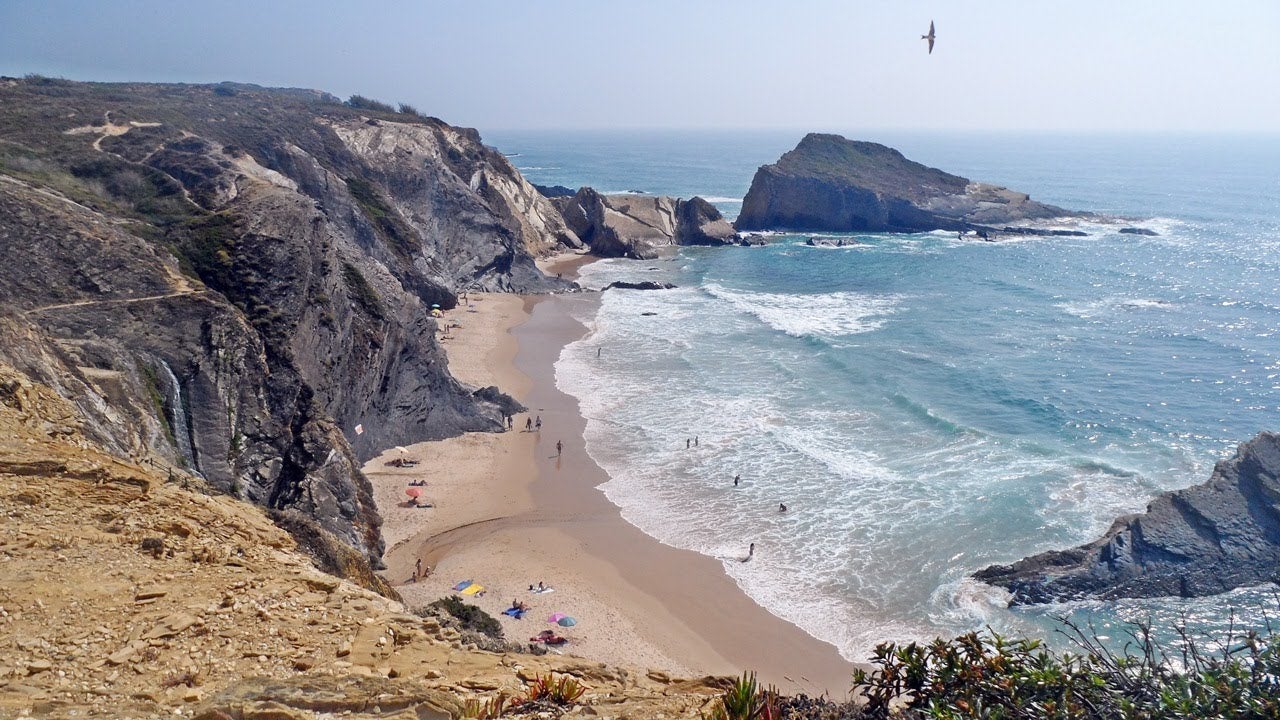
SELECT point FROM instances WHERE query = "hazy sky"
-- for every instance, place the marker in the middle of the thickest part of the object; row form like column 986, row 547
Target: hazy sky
column 809, row 64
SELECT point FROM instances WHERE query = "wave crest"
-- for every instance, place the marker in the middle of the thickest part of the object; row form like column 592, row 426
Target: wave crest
column 828, row 315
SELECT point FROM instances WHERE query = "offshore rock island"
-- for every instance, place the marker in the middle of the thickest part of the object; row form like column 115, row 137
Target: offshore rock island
column 828, row 183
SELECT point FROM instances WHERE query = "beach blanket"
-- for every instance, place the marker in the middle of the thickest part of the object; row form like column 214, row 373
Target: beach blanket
column 462, row 585
column 516, row 613
column 473, row 588
column 544, row 591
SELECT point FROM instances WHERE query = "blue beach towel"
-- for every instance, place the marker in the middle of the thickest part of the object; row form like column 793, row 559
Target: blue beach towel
column 462, row 585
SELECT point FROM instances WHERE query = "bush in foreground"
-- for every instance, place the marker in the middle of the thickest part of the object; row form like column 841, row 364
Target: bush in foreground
column 471, row 617
column 983, row 675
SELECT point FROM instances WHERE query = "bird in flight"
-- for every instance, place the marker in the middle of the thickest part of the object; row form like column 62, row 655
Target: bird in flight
column 930, row 37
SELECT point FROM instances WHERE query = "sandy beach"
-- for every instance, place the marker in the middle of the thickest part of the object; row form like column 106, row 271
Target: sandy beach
column 508, row 513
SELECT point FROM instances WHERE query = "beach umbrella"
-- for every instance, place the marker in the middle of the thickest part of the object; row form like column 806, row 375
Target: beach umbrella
column 557, row 617
column 435, row 305
column 566, row 621
column 413, row 492
column 401, row 449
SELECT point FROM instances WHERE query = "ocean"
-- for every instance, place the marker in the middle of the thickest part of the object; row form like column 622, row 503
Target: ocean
column 923, row 405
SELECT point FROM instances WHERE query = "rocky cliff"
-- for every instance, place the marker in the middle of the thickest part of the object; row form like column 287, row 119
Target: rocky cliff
column 637, row 226
column 233, row 279
column 1204, row 540
column 833, row 184
column 126, row 595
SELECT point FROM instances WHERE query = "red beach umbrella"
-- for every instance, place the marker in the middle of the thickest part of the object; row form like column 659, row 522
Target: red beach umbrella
column 413, row 492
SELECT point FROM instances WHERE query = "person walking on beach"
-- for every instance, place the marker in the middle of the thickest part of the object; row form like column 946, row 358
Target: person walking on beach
column 695, row 441
column 736, row 478
column 417, row 569
column 528, row 424
column 559, row 448
column 687, row 442
column 511, row 423
column 598, row 352
column 751, row 551
column 537, row 424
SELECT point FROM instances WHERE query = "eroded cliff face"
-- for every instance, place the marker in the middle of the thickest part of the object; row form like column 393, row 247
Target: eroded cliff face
column 127, row 594
column 232, row 279
column 829, row 183
column 1204, row 540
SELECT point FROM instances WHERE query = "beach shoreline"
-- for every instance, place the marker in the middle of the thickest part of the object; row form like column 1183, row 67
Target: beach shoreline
column 511, row 512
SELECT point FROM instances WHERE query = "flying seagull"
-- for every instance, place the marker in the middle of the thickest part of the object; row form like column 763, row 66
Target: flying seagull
column 930, row 37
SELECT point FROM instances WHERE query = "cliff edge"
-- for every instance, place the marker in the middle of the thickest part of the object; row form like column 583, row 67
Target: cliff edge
column 830, row 183
column 1203, row 540
column 237, row 281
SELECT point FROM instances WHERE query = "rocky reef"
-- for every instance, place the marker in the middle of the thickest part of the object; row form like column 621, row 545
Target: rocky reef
column 236, row 281
column 1203, row 540
column 639, row 225
column 829, row 183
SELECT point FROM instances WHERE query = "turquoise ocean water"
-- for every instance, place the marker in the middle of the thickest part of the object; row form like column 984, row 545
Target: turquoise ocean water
column 927, row 406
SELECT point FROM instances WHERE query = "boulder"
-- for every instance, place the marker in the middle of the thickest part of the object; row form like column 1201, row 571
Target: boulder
column 830, row 183
column 554, row 191
column 1042, row 232
column 1203, row 540
column 698, row 222
column 1138, row 231
column 644, row 285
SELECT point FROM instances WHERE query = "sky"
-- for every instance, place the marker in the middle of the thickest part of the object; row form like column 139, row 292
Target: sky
column 1026, row 65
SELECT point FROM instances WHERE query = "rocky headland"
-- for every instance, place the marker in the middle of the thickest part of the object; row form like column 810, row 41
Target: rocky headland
column 829, row 183
column 639, row 225
column 1203, row 540
column 237, row 281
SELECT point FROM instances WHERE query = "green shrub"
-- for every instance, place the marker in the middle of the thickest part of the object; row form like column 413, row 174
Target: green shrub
column 471, row 617
column 746, row 700
column 983, row 675
column 362, row 293
column 385, row 220
column 564, row 690
column 360, row 102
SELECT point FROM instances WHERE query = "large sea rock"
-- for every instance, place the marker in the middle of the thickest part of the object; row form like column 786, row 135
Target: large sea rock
column 638, row 225
column 1203, row 540
column 237, row 280
column 830, row 183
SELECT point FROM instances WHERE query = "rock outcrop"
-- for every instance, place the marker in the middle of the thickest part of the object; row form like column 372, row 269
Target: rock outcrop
column 640, row 225
column 237, row 280
column 129, row 595
column 1204, row 540
column 554, row 191
column 698, row 222
column 829, row 183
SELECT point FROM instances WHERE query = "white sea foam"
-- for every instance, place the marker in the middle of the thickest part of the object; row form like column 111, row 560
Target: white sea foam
column 826, row 315
column 1089, row 309
column 719, row 199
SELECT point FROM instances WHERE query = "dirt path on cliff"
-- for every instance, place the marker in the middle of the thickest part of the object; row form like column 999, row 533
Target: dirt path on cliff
column 122, row 301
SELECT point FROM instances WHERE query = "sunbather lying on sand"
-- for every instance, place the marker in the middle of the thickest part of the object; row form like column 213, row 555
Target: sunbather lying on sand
column 548, row 637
